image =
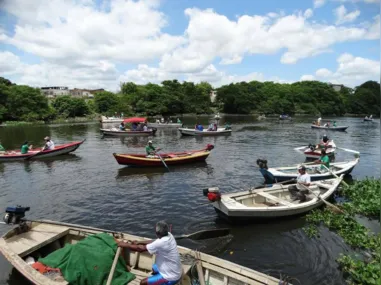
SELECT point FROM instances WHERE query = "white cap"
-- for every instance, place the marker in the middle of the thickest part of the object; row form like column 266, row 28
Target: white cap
column 149, row 141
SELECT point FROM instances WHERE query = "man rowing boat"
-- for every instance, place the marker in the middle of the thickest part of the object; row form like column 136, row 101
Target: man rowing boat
column 167, row 269
column 151, row 150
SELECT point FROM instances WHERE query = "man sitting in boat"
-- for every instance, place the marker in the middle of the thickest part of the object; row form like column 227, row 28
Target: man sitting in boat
column 2, row 149
column 49, row 144
column 178, row 121
column 145, row 128
column 200, row 128
column 297, row 191
column 227, row 126
column 25, row 148
column 151, row 150
column 167, row 269
column 122, row 127
column 211, row 126
column 134, row 126
column 334, row 124
column 323, row 160
column 324, row 143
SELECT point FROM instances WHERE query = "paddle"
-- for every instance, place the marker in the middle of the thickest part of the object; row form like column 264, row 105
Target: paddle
column 349, row 150
column 33, row 155
column 330, row 171
column 111, row 275
column 162, row 160
column 329, row 205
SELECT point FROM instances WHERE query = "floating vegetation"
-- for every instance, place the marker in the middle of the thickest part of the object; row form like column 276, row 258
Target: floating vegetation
column 365, row 200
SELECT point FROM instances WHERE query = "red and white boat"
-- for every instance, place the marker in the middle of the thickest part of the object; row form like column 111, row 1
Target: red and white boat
column 176, row 158
column 313, row 152
column 36, row 153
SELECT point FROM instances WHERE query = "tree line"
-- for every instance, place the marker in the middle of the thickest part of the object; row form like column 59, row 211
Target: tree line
column 25, row 103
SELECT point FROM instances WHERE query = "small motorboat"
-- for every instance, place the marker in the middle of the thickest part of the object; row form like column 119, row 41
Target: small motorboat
column 330, row 128
column 169, row 158
column 205, row 132
column 312, row 152
column 115, row 120
column 315, row 171
column 270, row 202
column 128, row 133
column 36, row 153
column 164, row 125
column 30, row 241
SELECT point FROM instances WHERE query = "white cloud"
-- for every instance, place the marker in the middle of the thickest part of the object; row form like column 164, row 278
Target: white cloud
column 308, row 13
column 323, row 73
column 343, row 17
column 318, row 3
column 307, row 77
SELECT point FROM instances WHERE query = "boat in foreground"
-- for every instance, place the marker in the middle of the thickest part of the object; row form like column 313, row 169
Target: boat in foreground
column 338, row 128
column 128, row 133
column 315, row 171
column 312, row 152
column 40, row 238
column 270, row 202
column 205, row 132
column 169, row 158
column 36, row 153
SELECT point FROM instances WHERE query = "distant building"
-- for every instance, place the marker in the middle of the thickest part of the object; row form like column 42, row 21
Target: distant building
column 213, row 95
column 337, row 87
column 88, row 93
column 54, row 91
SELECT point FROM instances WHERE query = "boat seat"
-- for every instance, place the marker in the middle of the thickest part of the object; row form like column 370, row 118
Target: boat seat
column 273, row 198
column 37, row 237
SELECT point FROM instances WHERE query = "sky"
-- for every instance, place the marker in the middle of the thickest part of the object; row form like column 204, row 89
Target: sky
column 101, row 43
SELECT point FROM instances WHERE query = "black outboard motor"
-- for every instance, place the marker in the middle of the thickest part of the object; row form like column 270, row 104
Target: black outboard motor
column 13, row 215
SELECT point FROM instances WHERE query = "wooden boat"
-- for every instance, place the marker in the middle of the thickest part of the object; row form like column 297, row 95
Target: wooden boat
column 40, row 238
column 312, row 152
column 115, row 120
column 291, row 172
column 205, row 132
column 36, row 153
column 338, row 128
column 272, row 202
column 169, row 158
column 128, row 133
column 164, row 125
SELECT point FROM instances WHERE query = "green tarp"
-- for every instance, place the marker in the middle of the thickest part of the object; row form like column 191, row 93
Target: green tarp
column 89, row 261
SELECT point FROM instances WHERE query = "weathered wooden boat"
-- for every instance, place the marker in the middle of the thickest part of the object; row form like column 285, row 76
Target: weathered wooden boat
column 164, row 125
column 270, row 202
column 314, row 170
column 205, row 132
column 36, row 153
column 127, row 133
column 312, row 152
column 115, row 120
column 169, row 158
column 338, row 128
column 40, row 238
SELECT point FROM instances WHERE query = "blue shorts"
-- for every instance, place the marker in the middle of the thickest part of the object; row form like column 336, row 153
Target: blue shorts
column 158, row 279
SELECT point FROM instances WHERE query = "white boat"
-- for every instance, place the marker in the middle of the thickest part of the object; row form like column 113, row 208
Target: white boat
column 314, row 170
column 164, row 125
column 332, row 128
column 368, row 119
column 205, row 132
column 40, row 238
column 273, row 202
column 313, row 152
column 115, row 120
column 128, row 133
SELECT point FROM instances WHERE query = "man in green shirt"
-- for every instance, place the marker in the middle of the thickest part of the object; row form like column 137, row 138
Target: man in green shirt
column 324, row 160
column 2, row 149
column 150, row 149
column 25, row 148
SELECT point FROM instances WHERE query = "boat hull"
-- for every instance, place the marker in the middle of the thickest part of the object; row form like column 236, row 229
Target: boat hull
column 338, row 128
column 368, row 120
column 116, row 133
column 193, row 132
column 58, row 150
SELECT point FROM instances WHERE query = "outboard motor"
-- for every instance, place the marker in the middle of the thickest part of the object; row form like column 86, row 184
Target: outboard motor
column 213, row 194
column 13, row 215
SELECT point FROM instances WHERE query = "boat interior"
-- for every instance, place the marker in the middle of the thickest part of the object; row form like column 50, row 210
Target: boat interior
column 314, row 169
column 37, row 240
column 280, row 196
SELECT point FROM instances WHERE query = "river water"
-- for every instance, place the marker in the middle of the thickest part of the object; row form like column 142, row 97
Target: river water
column 88, row 187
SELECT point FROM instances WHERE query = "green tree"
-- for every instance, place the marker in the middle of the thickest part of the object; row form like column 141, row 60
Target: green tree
column 68, row 106
column 106, row 102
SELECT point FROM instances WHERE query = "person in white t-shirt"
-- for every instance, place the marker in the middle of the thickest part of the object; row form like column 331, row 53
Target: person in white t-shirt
column 167, row 270
column 49, row 144
column 298, row 192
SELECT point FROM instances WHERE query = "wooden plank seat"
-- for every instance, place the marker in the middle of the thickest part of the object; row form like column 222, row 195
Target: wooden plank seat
column 37, row 237
column 273, row 198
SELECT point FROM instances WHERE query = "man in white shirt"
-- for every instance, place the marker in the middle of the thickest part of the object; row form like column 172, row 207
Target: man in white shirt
column 167, row 270
column 299, row 192
column 49, row 144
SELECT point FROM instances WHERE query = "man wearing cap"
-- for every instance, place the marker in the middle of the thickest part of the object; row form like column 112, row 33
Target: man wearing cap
column 150, row 149
column 297, row 191
column 49, row 144
column 167, row 269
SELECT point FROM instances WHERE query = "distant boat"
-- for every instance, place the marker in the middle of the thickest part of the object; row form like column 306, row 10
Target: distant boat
column 313, row 152
column 337, row 128
column 127, row 133
column 284, row 117
column 368, row 119
column 205, row 132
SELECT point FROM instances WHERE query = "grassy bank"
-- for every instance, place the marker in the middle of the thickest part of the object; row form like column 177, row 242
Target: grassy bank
column 90, row 118
column 364, row 199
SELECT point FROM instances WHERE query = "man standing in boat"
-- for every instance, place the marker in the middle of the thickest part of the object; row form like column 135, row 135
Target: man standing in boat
column 297, row 191
column 167, row 269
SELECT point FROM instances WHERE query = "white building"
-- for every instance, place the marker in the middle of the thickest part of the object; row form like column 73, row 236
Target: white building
column 54, row 91
column 337, row 87
column 213, row 95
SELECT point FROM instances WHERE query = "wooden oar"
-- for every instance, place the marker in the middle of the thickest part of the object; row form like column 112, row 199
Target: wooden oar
column 330, row 171
column 162, row 160
column 111, row 274
column 349, row 150
column 33, row 155
column 329, row 205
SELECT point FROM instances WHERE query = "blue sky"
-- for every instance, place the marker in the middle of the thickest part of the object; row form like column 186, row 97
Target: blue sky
column 85, row 43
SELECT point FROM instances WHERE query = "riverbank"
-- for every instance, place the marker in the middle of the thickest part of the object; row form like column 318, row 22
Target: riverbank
column 363, row 200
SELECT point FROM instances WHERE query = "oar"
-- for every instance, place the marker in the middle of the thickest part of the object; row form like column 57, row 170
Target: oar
column 162, row 160
column 349, row 150
column 111, row 275
column 33, row 155
column 333, row 207
column 330, row 171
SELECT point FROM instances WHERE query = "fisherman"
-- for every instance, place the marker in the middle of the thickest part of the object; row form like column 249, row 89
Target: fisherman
column 297, row 191
column 167, row 268
column 49, row 144
column 323, row 160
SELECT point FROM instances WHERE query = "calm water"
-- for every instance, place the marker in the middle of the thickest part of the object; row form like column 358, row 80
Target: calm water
column 90, row 188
